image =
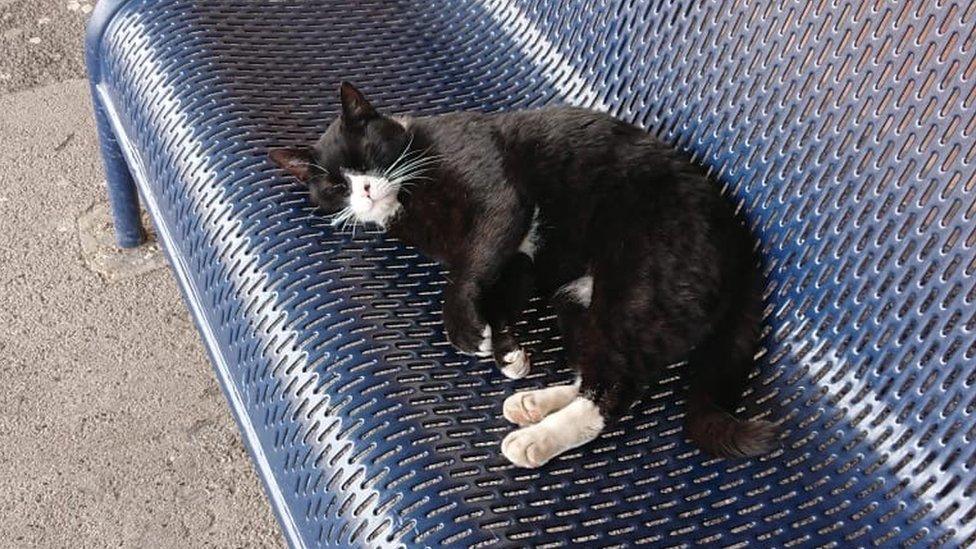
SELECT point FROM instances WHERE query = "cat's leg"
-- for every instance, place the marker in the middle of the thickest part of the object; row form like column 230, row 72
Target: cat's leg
column 605, row 391
column 612, row 375
column 601, row 390
column 608, row 386
column 570, row 301
column 465, row 327
column 477, row 268
column 502, row 304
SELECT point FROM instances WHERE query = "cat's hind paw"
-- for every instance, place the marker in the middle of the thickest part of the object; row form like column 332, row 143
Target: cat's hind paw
column 573, row 426
column 530, row 447
column 523, row 409
column 528, row 407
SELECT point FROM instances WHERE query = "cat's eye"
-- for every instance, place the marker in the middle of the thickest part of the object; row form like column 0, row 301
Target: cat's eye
column 337, row 180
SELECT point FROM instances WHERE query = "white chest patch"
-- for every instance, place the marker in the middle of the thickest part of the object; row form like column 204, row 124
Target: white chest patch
column 372, row 198
column 403, row 120
column 530, row 243
column 580, row 290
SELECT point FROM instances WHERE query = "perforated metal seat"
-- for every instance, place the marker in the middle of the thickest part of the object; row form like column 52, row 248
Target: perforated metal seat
column 845, row 130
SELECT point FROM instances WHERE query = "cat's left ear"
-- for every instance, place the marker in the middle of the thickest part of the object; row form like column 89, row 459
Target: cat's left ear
column 294, row 160
column 356, row 110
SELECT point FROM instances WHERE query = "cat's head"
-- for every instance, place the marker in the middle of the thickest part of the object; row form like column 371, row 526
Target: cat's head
column 362, row 165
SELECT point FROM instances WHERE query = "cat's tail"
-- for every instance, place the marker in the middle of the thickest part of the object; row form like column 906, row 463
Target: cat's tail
column 720, row 367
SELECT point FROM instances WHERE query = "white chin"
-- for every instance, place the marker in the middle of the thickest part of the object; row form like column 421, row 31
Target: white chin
column 380, row 212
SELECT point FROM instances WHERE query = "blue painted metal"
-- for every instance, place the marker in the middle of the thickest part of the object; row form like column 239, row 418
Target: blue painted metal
column 844, row 129
column 122, row 192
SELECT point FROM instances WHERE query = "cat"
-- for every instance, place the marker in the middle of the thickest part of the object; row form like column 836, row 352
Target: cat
column 645, row 263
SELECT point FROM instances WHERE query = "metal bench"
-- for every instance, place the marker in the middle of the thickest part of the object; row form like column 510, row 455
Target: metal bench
column 844, row 129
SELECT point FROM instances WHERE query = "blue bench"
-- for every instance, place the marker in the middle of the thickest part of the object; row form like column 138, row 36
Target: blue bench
column 845, row 130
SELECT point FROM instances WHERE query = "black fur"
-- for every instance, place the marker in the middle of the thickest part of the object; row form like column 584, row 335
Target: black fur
column 674, row 271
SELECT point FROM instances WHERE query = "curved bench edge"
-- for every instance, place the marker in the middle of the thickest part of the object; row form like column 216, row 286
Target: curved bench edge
column 191, row 296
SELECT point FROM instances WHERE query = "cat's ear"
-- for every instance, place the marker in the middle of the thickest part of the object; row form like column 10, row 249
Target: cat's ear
column 294, row 160
column 356, row 110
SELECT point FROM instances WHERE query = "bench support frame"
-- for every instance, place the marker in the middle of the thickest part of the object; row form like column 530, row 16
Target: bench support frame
column 123, row 194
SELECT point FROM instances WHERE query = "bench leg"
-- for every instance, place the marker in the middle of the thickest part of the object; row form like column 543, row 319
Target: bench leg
column 122, row 193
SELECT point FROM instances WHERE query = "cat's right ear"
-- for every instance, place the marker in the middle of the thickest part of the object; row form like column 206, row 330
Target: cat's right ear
column 356, row 110
column 297, row 161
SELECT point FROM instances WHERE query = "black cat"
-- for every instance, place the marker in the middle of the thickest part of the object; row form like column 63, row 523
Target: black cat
column 645, row 262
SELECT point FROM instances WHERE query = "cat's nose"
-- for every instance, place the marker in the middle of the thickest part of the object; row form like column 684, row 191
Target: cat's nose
column 366, row 187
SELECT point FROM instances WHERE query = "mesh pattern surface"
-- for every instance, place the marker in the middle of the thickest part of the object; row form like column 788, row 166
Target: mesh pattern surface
column 846, row 130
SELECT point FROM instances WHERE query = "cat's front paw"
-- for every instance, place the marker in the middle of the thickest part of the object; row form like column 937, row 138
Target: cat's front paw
column 465, row 330
column 515, row 364
column 511, row 359
column 486, row 344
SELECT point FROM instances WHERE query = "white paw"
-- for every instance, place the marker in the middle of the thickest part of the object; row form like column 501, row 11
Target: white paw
column 530, row 447
column 523, row 408
column 484, row 348
column 528, row 407
column 575, row 425
column 516, row 364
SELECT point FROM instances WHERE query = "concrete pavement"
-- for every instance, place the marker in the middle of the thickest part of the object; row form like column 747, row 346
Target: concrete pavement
column 113, row 431
column 41, row 42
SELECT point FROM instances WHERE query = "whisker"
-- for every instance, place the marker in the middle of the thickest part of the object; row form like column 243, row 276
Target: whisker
column 414, row 155
column 420, row 160
column 415, row 174
column 412, row 171
column 323, row 168
column 338, row 220
column 399, row 158
column 342, row 216
column 410, row 160
column 418, row 172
